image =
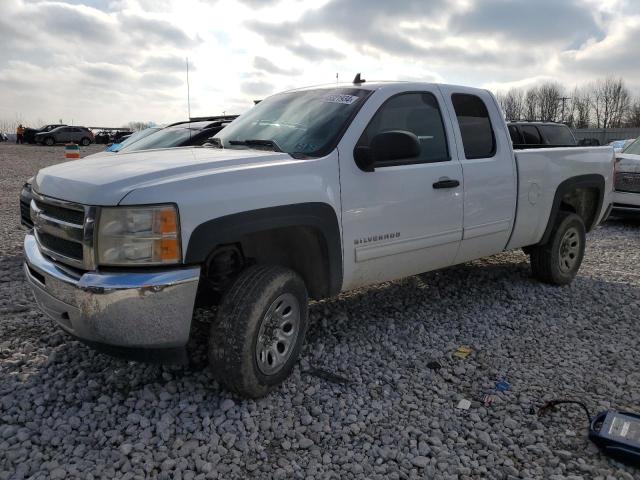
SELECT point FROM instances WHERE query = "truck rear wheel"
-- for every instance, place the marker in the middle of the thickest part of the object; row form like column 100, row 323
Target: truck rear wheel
column 258, row 333
column 557, row 262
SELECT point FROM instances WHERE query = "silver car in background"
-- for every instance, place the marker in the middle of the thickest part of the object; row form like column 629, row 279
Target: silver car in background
column 81, row 135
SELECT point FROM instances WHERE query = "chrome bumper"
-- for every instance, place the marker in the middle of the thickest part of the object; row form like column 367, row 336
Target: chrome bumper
column 140, row 310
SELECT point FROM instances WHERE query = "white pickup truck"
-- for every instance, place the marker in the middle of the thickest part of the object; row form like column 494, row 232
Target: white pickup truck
column 313, row 192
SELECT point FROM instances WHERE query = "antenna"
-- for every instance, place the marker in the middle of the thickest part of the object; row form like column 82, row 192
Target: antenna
column 357, row 80
column 188, row 93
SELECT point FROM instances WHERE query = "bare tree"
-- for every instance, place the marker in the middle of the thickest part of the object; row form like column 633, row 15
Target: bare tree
column 610, row 101
column 632, row 118
column 531, row 108
column 135, row 126
column 512, row 103
column 549, row 98
column 581, row 107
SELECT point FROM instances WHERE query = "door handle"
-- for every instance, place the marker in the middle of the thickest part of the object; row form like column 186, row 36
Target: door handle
column 446, row 183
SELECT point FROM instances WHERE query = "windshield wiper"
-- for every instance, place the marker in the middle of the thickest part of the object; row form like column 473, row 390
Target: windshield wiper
column 270, row 144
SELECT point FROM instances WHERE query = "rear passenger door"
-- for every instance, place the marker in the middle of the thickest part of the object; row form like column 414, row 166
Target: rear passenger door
column 489, row 172
column 76, row 134
column 64, row 135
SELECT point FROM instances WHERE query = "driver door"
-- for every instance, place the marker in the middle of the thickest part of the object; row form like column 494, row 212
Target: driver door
column 405, row 217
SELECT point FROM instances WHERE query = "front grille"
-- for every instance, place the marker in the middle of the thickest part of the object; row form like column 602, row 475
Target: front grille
column 61, row 233
column 60, row 213
column 59, row 245
column 628, row 182
column 25, row 214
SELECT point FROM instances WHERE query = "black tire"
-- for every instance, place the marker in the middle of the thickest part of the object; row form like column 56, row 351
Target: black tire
column 85, row 142
column 233, row 342
column 49, row 141
column 557, row 262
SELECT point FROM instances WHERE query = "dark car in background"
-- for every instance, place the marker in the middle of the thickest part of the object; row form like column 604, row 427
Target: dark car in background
column 30, row 133
column 540, row 135
column 112, row 136
column 75, row 134
column 181, row 134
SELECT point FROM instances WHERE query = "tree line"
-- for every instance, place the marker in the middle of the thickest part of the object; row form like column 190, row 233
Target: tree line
column 604, row 103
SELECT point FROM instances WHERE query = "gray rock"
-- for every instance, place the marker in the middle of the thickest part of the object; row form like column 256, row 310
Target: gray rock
column 420, row 461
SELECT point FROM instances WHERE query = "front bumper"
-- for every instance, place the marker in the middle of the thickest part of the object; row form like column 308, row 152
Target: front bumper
column 626, row 203
column 126, row 311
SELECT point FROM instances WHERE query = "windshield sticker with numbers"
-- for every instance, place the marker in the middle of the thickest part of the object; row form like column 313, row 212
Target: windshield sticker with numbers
column 344, row 99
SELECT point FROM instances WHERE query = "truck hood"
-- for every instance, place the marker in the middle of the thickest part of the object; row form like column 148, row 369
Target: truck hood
column 628, row 163
column 106, row 180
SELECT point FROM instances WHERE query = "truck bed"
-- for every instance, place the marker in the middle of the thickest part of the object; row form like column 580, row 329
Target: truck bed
column 540, row 172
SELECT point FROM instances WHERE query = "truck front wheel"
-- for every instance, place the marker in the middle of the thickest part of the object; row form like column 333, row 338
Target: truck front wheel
column 259, row 330
column 557, row 262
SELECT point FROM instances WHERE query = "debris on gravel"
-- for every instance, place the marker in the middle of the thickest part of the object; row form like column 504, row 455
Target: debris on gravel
column 383, row 404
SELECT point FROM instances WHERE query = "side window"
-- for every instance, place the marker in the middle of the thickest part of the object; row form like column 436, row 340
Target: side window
column 417, row 113
column 514, row 133
column 475, row 126
column 531, row 135
column 558, row 134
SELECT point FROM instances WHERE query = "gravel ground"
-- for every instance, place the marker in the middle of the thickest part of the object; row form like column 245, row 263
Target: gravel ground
column 365, row 400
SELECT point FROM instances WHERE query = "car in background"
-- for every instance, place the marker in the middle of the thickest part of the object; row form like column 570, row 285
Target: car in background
column 116, row 147
column 626, row 195
column 81, row 135
column 106, row 137
column 540, row 135
column 620, row 145
column 30, row 133
column 181, row 134
column 589, row 142
column 130, row 139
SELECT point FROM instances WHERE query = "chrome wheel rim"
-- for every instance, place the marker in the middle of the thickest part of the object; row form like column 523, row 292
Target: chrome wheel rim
column 569, row 250
column 278, row 333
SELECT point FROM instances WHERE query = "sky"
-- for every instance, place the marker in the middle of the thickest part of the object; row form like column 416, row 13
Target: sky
column 109, row 62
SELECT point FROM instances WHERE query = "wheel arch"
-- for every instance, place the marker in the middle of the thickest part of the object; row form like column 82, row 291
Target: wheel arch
column 315, row 250
column 583, row 195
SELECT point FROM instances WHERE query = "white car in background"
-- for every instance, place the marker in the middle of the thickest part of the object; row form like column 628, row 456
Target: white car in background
column 626, row 198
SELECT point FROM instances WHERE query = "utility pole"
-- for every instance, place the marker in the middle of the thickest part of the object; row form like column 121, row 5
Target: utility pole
column 188, row 93
column 563, row 99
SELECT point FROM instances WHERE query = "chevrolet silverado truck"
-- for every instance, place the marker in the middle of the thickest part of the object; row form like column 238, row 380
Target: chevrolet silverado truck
column 311, row 193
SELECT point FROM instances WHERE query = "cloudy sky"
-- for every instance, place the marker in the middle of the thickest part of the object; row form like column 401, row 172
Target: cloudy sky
column 107, row 62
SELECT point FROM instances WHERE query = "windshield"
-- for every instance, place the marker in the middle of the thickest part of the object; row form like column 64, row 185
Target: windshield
column 165, row 138
column 305, row 123
column 634, row 148
column 134, row 138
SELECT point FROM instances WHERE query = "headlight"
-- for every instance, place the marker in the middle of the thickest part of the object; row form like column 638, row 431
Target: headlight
column 139, row 236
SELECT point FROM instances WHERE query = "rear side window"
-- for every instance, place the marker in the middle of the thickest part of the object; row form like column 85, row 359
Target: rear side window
column 531, row 135
column 514, row 133
column 417, row 113
column 558, row 135
column 475, row 126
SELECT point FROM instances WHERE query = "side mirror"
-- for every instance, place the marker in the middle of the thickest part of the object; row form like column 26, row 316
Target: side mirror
column 385, row 147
